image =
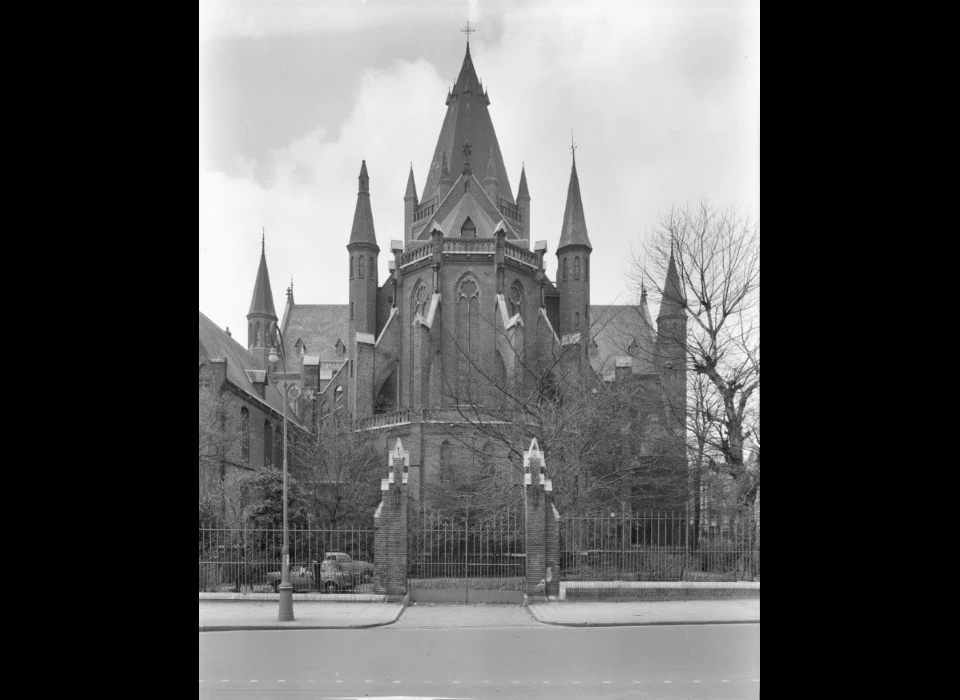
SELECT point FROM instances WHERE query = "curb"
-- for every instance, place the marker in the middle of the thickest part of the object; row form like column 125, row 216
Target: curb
column 281, row 626
column 532, row 610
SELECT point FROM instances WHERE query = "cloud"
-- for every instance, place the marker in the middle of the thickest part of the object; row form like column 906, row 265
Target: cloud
column 663, row 102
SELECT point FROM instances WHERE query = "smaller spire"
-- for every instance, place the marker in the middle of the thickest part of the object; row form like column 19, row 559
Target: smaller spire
column 262, row 301
column 574, row 231
column 672, row 302
column 522, row 190
column 411, row 186
column 363, row 231
column 290, row 291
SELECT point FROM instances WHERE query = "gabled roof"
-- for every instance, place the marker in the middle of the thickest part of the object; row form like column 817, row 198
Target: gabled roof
column 574, row 231
column 241, row 365
column 262, row 302
column 467, row 119
column 459, row 204
column 319, row 326
column 615, row 328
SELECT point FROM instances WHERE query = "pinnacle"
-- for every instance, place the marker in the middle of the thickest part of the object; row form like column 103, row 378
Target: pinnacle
column 574, row 231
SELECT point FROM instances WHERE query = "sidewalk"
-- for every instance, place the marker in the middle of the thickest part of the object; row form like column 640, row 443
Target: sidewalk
column 262, row 615
column 218, row 615
column 688, row 612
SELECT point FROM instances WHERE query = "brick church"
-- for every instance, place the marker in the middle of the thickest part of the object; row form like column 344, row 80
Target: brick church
column 467, row 325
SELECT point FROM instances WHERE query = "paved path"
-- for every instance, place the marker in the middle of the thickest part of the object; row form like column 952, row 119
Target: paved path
column 647, row 613
column 249, row 614
column 452, row 616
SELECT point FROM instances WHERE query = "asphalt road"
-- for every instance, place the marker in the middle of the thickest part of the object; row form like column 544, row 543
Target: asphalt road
column 507, row 661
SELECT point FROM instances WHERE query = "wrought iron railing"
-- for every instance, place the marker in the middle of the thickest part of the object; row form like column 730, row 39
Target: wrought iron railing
column 660, row 546
column 248, row 560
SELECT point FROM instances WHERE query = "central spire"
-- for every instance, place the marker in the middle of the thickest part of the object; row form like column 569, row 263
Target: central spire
column 467, row 121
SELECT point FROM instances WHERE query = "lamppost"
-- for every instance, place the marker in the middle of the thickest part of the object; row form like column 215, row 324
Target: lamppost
column 285, row 588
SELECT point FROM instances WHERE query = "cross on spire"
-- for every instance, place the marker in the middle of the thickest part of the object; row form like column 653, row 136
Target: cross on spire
column 466, row 30
column 573, row 146
column 263, row 240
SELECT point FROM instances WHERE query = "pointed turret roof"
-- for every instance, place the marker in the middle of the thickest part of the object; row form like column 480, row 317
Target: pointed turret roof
column 522, row 191
column 467, row 119
column 411, row 186
column 672, row 302
column 262, row 302
column 574, row 231
column 362, row 231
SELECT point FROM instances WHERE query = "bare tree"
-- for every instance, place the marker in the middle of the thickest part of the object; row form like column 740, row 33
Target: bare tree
column 338, row 470
column 598, row 451
column 716, row 254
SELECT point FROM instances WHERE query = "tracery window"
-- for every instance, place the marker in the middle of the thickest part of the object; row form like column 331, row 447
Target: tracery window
column 516, row 298
column 468, row 335
column 468, row 230
column 576, row 268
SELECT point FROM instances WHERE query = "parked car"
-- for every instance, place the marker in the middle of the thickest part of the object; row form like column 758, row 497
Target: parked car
column 346, row 570
column 337, row 571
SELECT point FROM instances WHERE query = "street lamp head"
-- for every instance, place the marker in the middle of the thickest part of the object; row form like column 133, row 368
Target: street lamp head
column 273, row 356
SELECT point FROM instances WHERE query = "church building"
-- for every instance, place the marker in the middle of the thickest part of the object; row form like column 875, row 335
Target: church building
column 468, row 324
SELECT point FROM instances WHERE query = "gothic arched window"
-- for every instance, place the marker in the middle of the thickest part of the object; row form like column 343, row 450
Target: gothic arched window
column 586, row 268
column 244, row 435
column 363, row 267
column 267, row 443
column 576, row 268
column 468, row 230
column 577, row 319
column 353, row 266
column 256, row 336
column 418, row 305
column 564, row 270
column 468, row 335
column 250, row 334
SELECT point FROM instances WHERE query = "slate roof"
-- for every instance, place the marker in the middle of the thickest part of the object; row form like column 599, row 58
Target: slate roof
column 574, row 231
column 262, row 301
column 363, row 231
column 319, row 326
column 214, row 342
column 614, row 328
column 467, row 119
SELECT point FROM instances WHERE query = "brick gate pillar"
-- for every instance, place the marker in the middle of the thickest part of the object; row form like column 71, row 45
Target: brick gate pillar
column 390, row 521
column 542, row 526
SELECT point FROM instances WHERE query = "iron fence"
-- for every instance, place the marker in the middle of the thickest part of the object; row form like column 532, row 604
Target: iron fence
column 660, row 546
column 452, row 548
column 249, row 560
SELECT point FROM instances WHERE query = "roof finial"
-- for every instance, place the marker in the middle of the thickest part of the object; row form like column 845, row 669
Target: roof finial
column 573, row 148
column 263, row 241
column 466, row 30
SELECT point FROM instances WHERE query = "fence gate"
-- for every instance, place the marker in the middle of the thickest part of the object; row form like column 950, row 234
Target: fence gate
column 466, row 555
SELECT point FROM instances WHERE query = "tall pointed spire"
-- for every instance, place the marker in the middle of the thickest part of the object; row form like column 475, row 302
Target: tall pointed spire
column 467, row 120
column 574, row 231
column 672, row 302
column 646, row 322
column 362, row 231
column 262, row 301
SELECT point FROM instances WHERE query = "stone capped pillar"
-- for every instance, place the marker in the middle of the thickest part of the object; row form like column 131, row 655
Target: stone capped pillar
column 542, row 527
column 390, row 521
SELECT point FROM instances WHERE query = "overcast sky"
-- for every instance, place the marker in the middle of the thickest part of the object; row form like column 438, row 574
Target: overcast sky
column 663, row 99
